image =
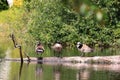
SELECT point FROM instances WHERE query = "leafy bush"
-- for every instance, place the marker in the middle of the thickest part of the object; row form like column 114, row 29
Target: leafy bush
column 3, row 5
column 91, row 22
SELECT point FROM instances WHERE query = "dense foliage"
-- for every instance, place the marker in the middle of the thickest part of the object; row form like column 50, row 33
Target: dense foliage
column 3, row 5
column 92, row 22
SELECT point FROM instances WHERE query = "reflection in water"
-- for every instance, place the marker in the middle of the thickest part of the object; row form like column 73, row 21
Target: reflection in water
column 20, row 70
column 57, row 71
column 39, row 69
column 4, row 70
column 0, row 60
column 116, row 75
column 95, row 67
column 5, row 66
column 83, row 74
column 62, row 71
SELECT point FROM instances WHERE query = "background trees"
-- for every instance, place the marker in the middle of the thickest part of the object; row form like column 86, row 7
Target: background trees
column 93, row 22
column 90, row 21
column 3, row 5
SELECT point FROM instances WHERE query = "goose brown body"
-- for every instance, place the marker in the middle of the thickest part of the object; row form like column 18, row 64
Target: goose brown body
column 57, row 48
column 39, row 48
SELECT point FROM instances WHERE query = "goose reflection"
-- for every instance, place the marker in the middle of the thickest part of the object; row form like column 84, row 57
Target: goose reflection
column 83, row 74
column 39, row 70
column 57, row 71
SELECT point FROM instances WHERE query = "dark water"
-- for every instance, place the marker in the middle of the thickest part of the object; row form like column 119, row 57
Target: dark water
column 56, row 71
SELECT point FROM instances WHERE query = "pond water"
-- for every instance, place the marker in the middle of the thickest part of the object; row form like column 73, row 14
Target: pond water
column 56, row 71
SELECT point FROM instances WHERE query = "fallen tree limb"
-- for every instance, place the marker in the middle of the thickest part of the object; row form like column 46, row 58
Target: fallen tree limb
column 74, row 59
column 16, row 45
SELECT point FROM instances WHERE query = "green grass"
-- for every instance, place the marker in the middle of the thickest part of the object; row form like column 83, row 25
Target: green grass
column 10, row 15
column 7, row 20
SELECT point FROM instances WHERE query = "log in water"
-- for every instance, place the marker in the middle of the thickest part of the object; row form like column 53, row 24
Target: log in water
column 74, row 59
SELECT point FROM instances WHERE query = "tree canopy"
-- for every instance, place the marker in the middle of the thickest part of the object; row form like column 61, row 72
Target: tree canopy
column 69, row 21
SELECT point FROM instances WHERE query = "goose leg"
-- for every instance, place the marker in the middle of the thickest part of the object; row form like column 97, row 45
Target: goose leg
column 40, row 54
column 54, row 54
column 37, row 53
column 61, row 55
column 82, row 54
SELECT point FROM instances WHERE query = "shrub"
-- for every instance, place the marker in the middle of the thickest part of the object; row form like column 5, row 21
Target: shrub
column 91, row 22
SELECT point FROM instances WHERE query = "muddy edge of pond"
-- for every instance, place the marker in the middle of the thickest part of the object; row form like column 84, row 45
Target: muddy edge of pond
column 75, row 59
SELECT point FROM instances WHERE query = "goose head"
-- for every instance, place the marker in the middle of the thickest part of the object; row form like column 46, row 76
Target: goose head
column 79, row 45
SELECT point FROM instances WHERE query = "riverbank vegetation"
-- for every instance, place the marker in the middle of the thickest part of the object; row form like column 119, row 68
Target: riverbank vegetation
column 94, row 22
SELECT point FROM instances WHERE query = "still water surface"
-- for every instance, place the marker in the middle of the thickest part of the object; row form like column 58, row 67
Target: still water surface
column 56, row 71
column 60, row 71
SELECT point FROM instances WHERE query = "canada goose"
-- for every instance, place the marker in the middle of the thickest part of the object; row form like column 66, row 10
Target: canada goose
column 83, row 48
column 39, row 49
column 57, row 47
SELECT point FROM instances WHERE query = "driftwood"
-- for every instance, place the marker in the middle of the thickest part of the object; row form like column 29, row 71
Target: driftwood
column 16, row 45
column 75, row 59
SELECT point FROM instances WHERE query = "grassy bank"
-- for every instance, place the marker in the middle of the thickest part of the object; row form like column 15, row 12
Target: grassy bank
column 8, row 25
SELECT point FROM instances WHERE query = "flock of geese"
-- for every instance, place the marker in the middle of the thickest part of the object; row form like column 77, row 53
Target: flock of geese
column 57, row 48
